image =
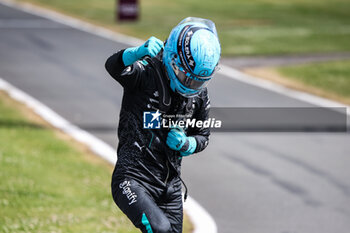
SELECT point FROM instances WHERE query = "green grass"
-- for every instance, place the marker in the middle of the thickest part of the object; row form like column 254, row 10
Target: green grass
column 244, row 27
column 48, row 185
column 331, row 77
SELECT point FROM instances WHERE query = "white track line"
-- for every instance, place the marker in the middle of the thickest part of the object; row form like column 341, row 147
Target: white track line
column 95, row 144
column 201, row 219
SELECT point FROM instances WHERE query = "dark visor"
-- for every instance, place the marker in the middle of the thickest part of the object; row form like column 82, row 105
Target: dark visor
column 188, row 80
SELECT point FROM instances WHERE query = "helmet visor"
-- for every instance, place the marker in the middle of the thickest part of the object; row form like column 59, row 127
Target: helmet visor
column 188, row 80
column 208, row 23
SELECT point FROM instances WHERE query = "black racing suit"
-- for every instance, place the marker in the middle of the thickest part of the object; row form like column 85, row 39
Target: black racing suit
column 146, row 183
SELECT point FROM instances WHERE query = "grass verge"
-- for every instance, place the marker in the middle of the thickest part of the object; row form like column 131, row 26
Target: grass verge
column 50, row 183
column 252, row 27
column 328, row 79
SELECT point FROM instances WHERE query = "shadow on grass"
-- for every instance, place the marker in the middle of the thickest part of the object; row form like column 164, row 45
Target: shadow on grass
column 7, row 123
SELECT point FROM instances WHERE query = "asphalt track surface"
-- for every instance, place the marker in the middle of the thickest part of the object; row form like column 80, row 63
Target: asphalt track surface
column 249, row 182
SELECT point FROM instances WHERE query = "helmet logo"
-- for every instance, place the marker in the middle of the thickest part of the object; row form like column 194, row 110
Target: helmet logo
column 204, row 73
column 188, row 50
column 184, row 47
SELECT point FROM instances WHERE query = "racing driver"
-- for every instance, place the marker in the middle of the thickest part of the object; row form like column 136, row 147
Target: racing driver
column 161, row 79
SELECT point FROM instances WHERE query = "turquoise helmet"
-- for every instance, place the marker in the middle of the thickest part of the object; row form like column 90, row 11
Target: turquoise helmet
column 191, row 55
